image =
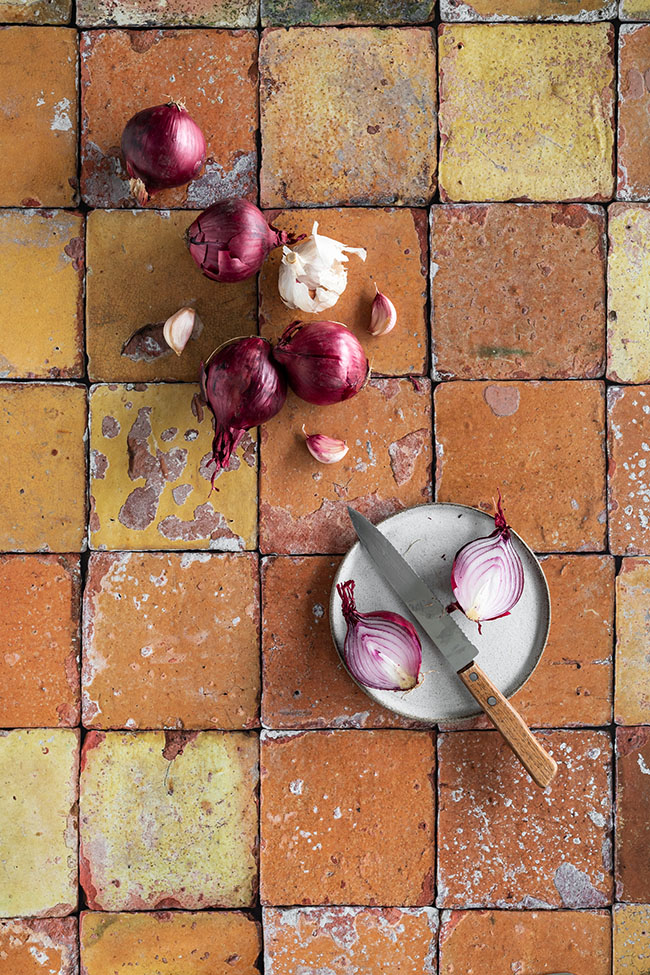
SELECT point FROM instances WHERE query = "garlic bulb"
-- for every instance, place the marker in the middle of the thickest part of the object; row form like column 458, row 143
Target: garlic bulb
column 313, row 274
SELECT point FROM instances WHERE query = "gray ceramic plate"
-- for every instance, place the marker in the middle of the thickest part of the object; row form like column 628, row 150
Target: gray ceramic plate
column 509, row 648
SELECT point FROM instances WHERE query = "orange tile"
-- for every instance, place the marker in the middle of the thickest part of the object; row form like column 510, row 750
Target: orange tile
column 140, row 272
column 213, row 72
column 150, row 655
column 632, row 693
column 631, row 939
column 387, row 427
column 396, row 242
column 330, row 802
column 633, row 107
column 26, row 947
column 505, row 843
column 43, row 452
column 628, row 435
column 541, row 444
column 38, row 124
column 633, row 815
column 518, row 291
column 354, row 940
column 305, row 684
column 39, row 636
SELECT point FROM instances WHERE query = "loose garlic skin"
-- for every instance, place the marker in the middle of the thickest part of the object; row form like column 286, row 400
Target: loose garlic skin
column 313, row 275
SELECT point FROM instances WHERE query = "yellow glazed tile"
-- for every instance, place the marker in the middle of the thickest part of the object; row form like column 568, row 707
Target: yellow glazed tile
column 43, row 459
column 493, row 10
column 35, row 11
column 149, row 473
column 631, row 939
column 38, row 116
column 526, row 112
column 140, row 272
column 628, row 281
column 38, row 831
column 41, row 294
column 169, row 819
column 634, row 9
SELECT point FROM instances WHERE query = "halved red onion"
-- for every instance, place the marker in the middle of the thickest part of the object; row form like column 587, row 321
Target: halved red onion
column 325, row 361
column 382, row 649
column 487, row 577
column 163, row 147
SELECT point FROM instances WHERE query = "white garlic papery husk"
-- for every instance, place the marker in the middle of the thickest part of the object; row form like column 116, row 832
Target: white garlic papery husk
column 313, row 274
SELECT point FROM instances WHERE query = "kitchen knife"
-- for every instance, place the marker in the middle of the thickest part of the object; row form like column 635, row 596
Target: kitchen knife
column 455, row 647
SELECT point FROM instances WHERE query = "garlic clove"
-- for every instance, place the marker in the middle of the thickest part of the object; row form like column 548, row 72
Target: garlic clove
column 180, row 327
column 326, row 450
column 313, row 274
column 383, row 316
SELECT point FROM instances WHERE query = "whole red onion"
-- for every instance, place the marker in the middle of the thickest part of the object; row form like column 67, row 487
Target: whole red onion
column 243, row 387
column 163, row 147
column 324, row 361
column 231, row 240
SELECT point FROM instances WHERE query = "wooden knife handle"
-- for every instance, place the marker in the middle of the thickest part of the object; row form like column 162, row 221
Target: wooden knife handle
column 538, row 763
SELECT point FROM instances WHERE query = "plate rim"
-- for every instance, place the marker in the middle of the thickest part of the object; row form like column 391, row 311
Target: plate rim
column 472, row 714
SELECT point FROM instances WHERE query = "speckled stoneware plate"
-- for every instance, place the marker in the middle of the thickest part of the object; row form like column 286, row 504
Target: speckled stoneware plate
column 509, row 648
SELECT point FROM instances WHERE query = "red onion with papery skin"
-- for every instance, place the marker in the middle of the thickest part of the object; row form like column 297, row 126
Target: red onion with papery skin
column 381, row 649
column 243, row 387
column 324, row 361
column 231, row 240
column 163, row 147
column 487, row 577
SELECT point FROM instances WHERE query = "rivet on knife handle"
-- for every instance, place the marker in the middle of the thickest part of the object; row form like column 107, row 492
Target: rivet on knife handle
column 538, row 763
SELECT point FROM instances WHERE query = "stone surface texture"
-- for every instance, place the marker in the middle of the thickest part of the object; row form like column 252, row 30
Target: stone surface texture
column 150, row 448
column 39, row 772
column 628, row 284
column 361, row 109
column 39, row 640
column 155, row 943
column 634, row 9
column 526, row 111
column 321, row 13
column 631, row 939
column 628, row 431
column 634, row 104
column 633, row 814
column 328, row 799
column 177, row 13
column 632, row 700
column 151, row 659
column 213, row 72
column 30, row 947
column 496, row 10
column 168, row 820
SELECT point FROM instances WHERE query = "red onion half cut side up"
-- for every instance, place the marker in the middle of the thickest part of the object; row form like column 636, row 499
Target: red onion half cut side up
column 324, row 361
column 243, row 387
column 487, row 577
column 163, row 147
column 231, row 240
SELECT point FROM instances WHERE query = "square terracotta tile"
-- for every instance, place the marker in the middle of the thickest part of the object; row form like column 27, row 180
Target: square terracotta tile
column 39, row 772
column 27, row 946
column 348, row 117
column 526, row 111
column 396, row 242
column 140, row 272
column 320, row 13
column 41, row 289
column 401, row 941
column 168, row 820
column 541, row 444
column 194, row 943
column 517, row 941
column 631, row 939
column 43, row 454
column 39, row 636
column 628, row 438
column 36, row 12
column 305, row 684
column 151, row 659
column 330, row 803
column 633, row 814
column 149, row 476
column 628, row 286
column 633, row 105
column 38, row 123
column 496, row 10
column 387, row 427
column 572, row 684
column 504, row 843
column 632, row 693
column 213, row 72
column 518, row 291
column 148, row 13
column 634, row 10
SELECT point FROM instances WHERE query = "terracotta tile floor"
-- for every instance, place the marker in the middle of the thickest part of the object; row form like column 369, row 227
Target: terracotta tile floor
column 189, row 781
